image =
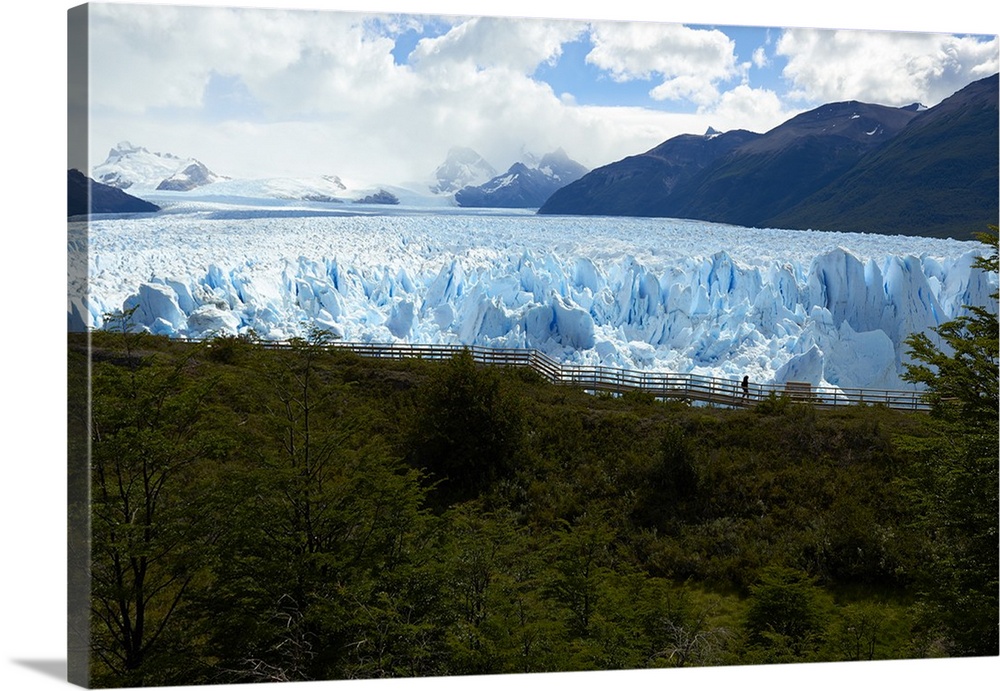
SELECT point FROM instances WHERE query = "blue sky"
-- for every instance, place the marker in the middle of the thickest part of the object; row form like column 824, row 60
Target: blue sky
column 591, row 85
column 258, row 92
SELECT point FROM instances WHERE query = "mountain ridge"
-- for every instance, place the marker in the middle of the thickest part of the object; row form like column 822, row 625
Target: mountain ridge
column 636, row 182
column 128, row 166
column 523, row 186
column 955, row 144
column 462, row 167
column 841, row 166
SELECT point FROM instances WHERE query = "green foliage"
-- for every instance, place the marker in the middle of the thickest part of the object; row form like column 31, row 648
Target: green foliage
column 961, row 373
column 231, row 349
column 581, row 559
column 773, row 404
column 786, row 616
column 148, row 547
column 332, row 518
column 860, row 632
column 954, row 488
column 668, row 486
column 302, row 513
column 684, row 629
column 471, row 429
column 955, row 479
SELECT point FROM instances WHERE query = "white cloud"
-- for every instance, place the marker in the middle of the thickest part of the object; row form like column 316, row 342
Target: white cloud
column 149, row 56
column 328, row 86
column 597, row 135
column 328, row 96
column 686, row 88
column 760, row 59
column 691, row 62
column 743, row 107
column 890, row 68
column 485, row 43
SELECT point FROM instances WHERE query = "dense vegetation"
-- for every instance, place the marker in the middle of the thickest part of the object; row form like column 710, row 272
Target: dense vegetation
column 262, row 515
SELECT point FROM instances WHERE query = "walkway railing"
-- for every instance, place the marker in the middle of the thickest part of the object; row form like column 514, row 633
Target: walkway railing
column 663, row 385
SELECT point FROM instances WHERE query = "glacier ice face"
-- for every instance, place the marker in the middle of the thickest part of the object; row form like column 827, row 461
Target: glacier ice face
column 156, row 304
column 828, row 308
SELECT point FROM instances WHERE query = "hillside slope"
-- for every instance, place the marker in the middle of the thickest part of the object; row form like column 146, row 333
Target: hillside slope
column 847, row 166
column 938, row 177
column 85, row 196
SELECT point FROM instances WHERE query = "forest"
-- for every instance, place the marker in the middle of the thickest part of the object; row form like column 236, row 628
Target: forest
column 258, row 513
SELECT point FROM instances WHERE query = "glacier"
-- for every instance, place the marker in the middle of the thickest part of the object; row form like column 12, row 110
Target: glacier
column 832, row 309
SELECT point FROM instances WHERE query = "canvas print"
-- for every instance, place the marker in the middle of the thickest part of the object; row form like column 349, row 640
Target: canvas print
column 409, row 345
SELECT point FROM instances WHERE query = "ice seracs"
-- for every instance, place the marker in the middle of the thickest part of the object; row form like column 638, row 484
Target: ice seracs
column 679, row 296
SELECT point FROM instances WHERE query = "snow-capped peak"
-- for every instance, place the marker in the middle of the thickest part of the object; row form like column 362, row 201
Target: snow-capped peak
column 525, row 184
column 122, row 148
column 131, row 166
column 462, row 167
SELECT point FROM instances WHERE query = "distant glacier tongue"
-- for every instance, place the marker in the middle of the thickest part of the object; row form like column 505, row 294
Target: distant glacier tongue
column 656, row 294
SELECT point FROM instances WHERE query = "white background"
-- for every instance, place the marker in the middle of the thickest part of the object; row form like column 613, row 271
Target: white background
column 32, row 309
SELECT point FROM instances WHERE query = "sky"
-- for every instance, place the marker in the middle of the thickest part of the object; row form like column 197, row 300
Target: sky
column 381, row 98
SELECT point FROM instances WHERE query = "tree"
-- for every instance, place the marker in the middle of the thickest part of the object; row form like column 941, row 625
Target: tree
column 786, row 617
column 320, row 572
column 470, row 432
column 668, row 486
column 955, row 483
column 147, row 437
column 858, row 631
column 961, row 376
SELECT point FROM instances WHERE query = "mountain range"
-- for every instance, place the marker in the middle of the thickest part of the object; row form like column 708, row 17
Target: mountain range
column 461, row 167
column 842, row 166
column 464, row 178
column 847, row 166
column 142, row 172
column 523, row 186
column 129, row 166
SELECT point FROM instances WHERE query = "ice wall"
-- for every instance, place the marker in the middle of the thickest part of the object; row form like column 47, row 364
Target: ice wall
column 697, row 298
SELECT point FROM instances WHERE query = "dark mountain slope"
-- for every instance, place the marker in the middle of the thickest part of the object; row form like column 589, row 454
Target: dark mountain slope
column 85, row 196
column 782, row 167
column 641, row 185
column 938, row 177
column 843, row 166
column 194, row 175
column 519, row 187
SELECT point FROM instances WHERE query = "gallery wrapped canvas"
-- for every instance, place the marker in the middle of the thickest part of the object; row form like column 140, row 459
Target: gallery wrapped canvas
column 430, row 346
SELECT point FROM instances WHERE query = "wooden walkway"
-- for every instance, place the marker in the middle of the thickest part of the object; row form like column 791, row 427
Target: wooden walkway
column 662, row 385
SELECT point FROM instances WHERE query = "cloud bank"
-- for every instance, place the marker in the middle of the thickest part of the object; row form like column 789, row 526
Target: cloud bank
column 256, row 92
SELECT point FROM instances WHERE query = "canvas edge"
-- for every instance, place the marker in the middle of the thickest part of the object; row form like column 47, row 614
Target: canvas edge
column 78, row 369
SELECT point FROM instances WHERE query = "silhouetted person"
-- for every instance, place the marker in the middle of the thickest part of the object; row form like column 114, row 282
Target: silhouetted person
column 745, row 385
